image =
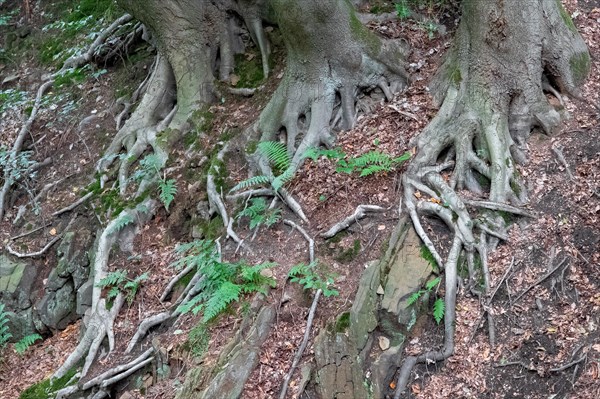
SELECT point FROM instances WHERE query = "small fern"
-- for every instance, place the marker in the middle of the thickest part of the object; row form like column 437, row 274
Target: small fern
column 259, row 214
column 367, row 164
column 253, row 181
column 117, row 282
column 24, row 344
column 310, row 277
column 5, row 335
column 279, row 159
column 222, row 282
column 121, row 222
column 439, row 308
column 167, row 190
column 276, row 153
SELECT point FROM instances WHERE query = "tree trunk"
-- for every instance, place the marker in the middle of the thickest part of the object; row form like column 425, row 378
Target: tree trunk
column 331, row 56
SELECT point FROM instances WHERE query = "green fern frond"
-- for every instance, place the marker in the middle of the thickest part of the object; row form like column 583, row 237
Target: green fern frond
column 433, row 283
column 121, row 222
column 439, row 308
column 113, row 278
column 371, row 158
column 282, row 179
column 4, row 334
column 167, row 189
column 253, row 181
column 276, row 153
column 315, row 153
column 414, row 298
column 402, row 158
column 372, row 169
column 26, row 342
column 228, row 292
column 151, row 164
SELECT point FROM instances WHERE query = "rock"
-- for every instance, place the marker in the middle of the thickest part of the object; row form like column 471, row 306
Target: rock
column 384, row 368
column 84, row 297
column 363, row 315
column 11, row 274
column 408, row 274
column 20, row 324
column 57, row 308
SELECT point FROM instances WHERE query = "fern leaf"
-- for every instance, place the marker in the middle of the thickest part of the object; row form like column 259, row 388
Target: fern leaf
column 414, row 298
column 253, row 181
column 26, row 342
column 372, row 169
column 121, row 222
column 439, row 308
column 168, row 189
column 112, row 279
column 433, row 283
column 283, row 178
column 151, row 164
column 228, row 292
column 276, row 153
column 402, row 158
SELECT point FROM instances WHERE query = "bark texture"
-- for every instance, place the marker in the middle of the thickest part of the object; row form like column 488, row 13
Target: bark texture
column 331, row 57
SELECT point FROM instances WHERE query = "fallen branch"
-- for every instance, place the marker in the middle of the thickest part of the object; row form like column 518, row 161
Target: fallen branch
column 43, row 250
column 298, row 356
column 260, row 192
column 360, row 212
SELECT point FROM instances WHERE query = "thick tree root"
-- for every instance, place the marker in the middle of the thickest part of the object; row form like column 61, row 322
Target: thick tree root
column 491, row 101
column 360, row 212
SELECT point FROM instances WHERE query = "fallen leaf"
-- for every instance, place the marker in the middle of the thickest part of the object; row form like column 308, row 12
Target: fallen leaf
column 53, row 231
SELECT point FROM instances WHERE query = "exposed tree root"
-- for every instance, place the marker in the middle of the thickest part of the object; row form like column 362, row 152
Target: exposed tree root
column 360, row 212
column 146, row 325
column 491, row 101
column 311, row 313
column 44, row 249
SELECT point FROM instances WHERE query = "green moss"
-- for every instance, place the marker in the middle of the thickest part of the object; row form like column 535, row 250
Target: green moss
column 580, row 67
column 202, row 119
column 249, row 70
column 342, row 323
column 363, row 35
column 190, row 138
column 565, row 16
column 42, row 389
column 251, row 146
column 211, row 229
column 455, row 76
column 349, row 254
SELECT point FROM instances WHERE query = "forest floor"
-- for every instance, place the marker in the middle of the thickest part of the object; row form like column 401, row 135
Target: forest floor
column 547, row 340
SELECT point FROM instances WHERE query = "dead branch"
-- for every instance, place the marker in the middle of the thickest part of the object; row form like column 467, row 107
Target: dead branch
column 260, row 192
column 360, row 212
column 46, row 247
column 298, row 356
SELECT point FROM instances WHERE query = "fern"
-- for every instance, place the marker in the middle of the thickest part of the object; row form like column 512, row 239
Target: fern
column 121, row 222
column 131, row 287
column 222, row 283
column 113, row 279
column 253, row 181
column 433, row 283
column 226, row 293
column 258, row 213
column 276, row 153
column 439, row 308
column 315, row 153
column 282, row 179
column 5, row 335
column 414, row 297
column 310, row 277
column 24, row 344
column 167, row 189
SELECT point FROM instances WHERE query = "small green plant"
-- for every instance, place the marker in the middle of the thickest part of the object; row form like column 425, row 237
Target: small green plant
column 259, row 213
column 5, row 335
column 310, row 277
column 402, row 9
column 11, row 98
column 117, row 282
column 17, row 166
column 24, row 344
column 198, row 340
column 439, row 306
column 280, row 161
column 150, row 168
column 365, row 165
column 222, row 283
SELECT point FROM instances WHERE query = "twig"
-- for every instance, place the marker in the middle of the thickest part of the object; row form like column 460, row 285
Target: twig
column 29, row 232
column 540, row 280
column 43, row 250
column 360, row 212
column 570, row 364
column 311, row 316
